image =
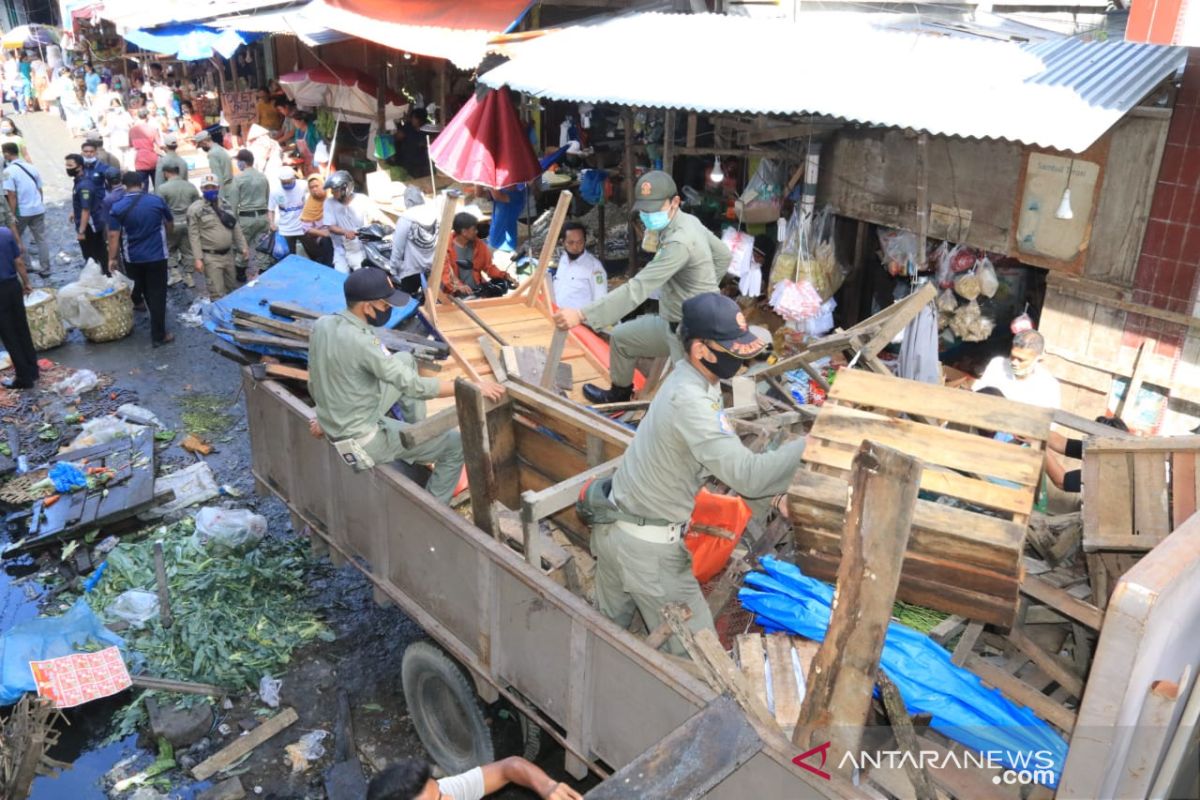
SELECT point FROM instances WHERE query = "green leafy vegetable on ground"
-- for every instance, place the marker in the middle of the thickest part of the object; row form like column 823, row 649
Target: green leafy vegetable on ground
column 919, row 618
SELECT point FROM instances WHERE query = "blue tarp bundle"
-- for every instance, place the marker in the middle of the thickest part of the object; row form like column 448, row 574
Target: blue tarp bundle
column 43, row 638
column 189, row 42
column 293, row 280
column 784, row 599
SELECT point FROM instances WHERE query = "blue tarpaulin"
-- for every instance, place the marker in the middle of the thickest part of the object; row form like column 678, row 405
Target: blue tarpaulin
column 297, row 280
column 47, row 637
column 784, row 599
column 189, row 42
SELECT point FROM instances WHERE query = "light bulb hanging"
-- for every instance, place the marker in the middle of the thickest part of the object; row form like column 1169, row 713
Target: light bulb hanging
column 1064, row 206
column 716, row 176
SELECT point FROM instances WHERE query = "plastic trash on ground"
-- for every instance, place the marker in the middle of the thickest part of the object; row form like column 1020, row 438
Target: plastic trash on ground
column 131, row 412
column 101, row 430
column 268, row 690
column 74, row 299
column 306, row 750
column 75, row 384
column 67, row 477
column 44, row 638
column 784, row 599
column 135, row 606
column 194, row 316
column 229, row 530
column 192, row 485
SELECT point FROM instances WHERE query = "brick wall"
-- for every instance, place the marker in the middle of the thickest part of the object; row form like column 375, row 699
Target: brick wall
column 1168, row 270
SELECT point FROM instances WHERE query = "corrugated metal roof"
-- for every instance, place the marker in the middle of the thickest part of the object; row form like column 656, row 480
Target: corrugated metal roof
column 143, row 14
column 1062, row 94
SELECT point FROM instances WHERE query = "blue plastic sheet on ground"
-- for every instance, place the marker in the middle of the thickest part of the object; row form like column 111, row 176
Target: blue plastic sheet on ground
column 67, row 477
column 297, row 280
column 784, row 599
column 47, row 637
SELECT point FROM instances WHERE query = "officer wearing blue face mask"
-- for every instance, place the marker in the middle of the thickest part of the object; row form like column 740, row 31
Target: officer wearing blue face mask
column 690, row 261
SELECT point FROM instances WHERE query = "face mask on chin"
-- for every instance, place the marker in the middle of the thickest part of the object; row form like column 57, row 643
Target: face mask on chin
column 91, row 160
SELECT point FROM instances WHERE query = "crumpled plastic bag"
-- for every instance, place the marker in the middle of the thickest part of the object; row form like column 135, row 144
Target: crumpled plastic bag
column 101, row 430
column 947, row 302
column 67, row 477
column 796, row 301
column 306, row 750
column 194, row 316
column 131, row 412
column 268, row 690
column 135, row 606
column 74, row 300
column 78, row 382
column 988, row 282
column 229, row 530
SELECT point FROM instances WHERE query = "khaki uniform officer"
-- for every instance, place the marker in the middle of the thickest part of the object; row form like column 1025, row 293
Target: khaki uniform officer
column 689, row 261
column 179, row 195
column 213, row 233
column 642, row 562
column 220, row 163
column 248, row 198
column 356, row 382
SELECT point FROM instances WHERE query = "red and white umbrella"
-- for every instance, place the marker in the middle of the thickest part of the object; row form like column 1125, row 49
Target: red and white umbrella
column 340, row 89
column 486, row 144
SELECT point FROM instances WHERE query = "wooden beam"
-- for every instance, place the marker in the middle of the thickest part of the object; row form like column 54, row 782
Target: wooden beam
column 689, row 138
column 884, row 486
column 429, row 428
column 922, row 191
column 1063, row 602
column 1128, row 404
column 1022, row 693
column 668, row 152
column 438, row 268
column 477, row 452
column 1047, row 662
column 478, row 320
column 551, row 242
column 630, row 193
column 242, row 746
column 550, row 371
column 906, row 737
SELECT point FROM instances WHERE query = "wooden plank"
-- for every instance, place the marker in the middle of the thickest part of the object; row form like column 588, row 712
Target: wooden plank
column 429, row 428
column 819, row 501
column 984, row 493
column 783, row 680
column 1022, row 693
column 966, row 643
column 1047, row 662
column 1183, row 487
column 933, row 445
column 555, row 459
column 1149, row 444
column 242, row 745
column 878, row 523
column 1113, row 494
column 868, row 389
column 1151, row 501
column 1131, row 543
column 1062, row 601
column 550, row 370
column 438, row 268
column 477, row 452
column 551, row 407
column 906, row 737
column 551, row 242
column 752, row 660
column 1128, row 402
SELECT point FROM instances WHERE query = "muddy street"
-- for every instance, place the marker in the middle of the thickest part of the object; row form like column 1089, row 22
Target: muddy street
column 193, row 390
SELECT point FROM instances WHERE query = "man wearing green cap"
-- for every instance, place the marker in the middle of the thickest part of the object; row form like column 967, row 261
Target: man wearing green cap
column 689, row 261
column 640, row 515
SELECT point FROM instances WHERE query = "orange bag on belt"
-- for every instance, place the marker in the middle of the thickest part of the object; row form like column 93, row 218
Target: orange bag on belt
column 711, row 553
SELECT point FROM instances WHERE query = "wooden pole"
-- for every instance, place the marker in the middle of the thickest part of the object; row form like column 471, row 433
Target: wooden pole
column 669, row 142
column 883, row 490
column 553, row 358
column 906, row 737
column 627, row 120
column 556, row 224
column 160, row 576
column 477, row 450
column 438, row 268
column 922, row 192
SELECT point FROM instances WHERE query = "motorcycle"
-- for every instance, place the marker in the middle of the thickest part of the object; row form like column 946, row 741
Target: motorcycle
column 376, row 240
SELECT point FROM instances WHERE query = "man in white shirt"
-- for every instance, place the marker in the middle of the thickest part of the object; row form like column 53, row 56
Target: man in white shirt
column 284, row 205
column 410, row 779
column 580, row 279
column 23, row 189
column 1021, row 376
column 345, row 212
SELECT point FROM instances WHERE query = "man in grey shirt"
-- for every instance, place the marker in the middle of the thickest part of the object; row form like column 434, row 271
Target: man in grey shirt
column 410, row 779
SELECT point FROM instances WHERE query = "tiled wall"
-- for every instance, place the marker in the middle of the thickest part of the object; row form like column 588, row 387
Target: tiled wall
column 1168, row 270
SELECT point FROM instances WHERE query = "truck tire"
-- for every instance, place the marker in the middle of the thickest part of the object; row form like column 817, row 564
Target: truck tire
column 445, row 709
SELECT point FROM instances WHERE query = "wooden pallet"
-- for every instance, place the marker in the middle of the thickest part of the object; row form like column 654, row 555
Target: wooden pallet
column 967, row 560
column 1135, row 493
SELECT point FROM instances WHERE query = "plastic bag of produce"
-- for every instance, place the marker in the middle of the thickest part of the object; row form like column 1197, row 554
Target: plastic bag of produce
column 967, row 286
column 988, row 282
column 899, row 251
column 229, row 530
column 75, row 299
column 947, row 302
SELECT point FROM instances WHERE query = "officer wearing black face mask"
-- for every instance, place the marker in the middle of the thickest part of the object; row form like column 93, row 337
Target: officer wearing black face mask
column 642, row 562
column 356, row 382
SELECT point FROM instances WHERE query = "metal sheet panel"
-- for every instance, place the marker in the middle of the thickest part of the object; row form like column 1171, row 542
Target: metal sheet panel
column 1061, row 94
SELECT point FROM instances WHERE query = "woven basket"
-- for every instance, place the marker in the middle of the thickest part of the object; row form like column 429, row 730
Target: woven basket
column 45, row 324
column 117, row 310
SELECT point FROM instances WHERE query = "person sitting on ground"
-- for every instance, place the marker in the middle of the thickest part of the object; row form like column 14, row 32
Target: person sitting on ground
column 1065, row 479
column 468, row 260
column 355, row 382
column 410, row 779
column 1021, row 375
column 580, row 279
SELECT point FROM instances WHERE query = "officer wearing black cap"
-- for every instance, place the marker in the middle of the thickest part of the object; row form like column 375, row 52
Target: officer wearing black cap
column 355, row 382
column 689, row 261
column 641, row 515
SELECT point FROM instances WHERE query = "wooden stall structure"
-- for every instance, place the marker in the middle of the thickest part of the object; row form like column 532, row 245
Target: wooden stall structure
column 1135, row 493
column 961, row 558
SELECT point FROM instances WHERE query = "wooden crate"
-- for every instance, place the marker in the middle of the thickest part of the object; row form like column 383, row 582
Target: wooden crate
column 1135, row 493
column 768, row 660
column 963, row 560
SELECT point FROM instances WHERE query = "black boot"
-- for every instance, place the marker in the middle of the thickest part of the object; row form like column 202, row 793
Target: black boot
column 241, row 274
column 617, row 394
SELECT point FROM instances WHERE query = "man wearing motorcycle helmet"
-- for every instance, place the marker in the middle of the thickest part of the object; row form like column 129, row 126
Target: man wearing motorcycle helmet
column 345, row 212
